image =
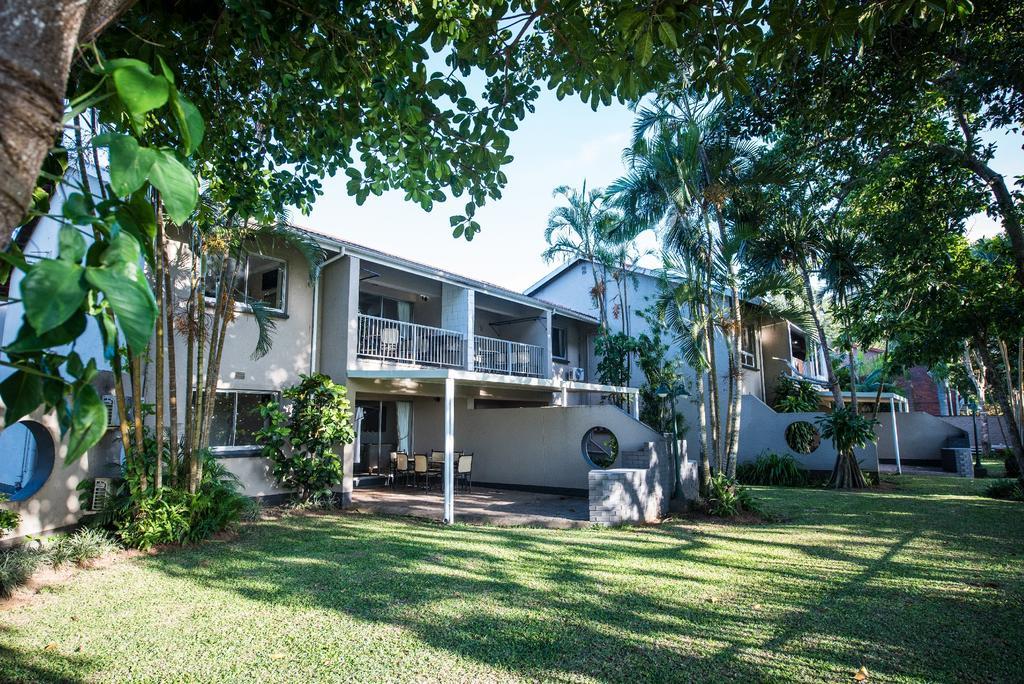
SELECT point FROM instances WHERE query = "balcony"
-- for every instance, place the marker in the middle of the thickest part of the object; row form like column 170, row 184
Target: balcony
column 507, row 357
column 390, row 340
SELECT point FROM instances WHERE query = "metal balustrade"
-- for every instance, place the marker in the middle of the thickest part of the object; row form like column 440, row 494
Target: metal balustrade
column 383, row 338
column 511, row 358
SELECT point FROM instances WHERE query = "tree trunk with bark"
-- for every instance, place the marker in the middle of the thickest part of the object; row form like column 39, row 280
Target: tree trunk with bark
column 37, row 46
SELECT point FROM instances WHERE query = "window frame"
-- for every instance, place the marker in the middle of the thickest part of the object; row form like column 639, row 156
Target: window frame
column 748, row 353
column 243, row 279
column 243, row 449
column 564, row 358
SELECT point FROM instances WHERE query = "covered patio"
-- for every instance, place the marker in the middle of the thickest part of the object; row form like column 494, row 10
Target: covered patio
column 484, row 506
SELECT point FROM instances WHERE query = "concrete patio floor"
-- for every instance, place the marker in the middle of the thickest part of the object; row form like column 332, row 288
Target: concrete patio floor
column 500, row 507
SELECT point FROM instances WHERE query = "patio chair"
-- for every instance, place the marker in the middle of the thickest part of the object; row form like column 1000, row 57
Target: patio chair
column 436, row 456
column 420, row 469
column 389, row 341
column 464, row 471
column 399, row 467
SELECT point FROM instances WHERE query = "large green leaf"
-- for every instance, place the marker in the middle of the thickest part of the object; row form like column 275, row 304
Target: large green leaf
column 88, row 422
column 127, row 291
column 136, row 217
column 51, row 292
column 65, row 333
column 22, row 393
column 72, row 244
column 176, row 184
column 190, row 122
column 140, row 90
column 130, row 164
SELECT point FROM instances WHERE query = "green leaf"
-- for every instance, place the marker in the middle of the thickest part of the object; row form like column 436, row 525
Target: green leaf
column 137, row 218
column 29, row 341
column 51, row 292
column 76, row 209
column 176, row 184
column 22, row 393
column 140, row 90
column 88, row 422
column 125, row 288
column 130, row 164
column 191, row 126
column 71, row 244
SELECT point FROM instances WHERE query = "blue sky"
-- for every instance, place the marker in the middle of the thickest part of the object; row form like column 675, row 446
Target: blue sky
column 562, row 143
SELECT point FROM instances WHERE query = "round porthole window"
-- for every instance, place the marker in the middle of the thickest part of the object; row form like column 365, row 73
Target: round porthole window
column 26, row 459
column 600, row 447
column 802, row 437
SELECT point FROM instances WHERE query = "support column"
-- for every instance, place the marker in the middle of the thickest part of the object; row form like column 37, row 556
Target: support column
column 449, row 451
column 565, row 395
column 634, row 405
column 895, row 436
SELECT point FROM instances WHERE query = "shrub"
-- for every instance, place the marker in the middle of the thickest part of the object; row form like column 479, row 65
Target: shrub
column 16, row 566
column 727, row 498
column 301, row 446
column 1012, row 490
column 80, row 547
column 8, row 519
column 795, row 396
column 1010, row 463
column 772, row 469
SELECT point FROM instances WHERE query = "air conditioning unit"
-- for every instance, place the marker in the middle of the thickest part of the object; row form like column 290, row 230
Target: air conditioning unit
column 578, row 375
column 113, row 419
column 101, row 487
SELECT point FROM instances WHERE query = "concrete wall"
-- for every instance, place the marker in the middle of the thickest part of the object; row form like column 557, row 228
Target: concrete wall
column 542, row 447
column 922, row 437
column 762, row 429
column 998, row 429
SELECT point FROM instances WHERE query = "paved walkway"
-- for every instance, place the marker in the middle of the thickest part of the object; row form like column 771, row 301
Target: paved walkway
column 501, row 507
column 914, row 470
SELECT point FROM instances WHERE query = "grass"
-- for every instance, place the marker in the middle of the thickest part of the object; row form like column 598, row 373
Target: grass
column 920, row 581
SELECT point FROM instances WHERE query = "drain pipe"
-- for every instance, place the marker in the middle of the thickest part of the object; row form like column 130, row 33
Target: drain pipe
column 315, row 336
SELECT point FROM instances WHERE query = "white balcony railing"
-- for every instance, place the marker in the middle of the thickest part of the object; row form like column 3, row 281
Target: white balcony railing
column 383, row 338
column 511, row 358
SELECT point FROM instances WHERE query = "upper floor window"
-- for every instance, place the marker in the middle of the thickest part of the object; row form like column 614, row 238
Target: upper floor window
column 384, row 307
column 261, row 279
column 748, row 347
column 559, row 344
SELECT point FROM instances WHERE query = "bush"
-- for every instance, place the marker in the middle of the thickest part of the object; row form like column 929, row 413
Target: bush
column 80, row 547
column 727, row 498
column 772, row 469
column 1010, row 463
column 301, row 446
column 16, row 566
column 8, row 519
column 157, row 519
column 1011, row 490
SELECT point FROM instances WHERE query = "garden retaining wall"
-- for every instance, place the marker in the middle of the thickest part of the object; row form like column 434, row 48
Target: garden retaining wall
column 638, row 492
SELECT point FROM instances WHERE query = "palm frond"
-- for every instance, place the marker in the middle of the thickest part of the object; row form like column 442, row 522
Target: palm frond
column 266, row 325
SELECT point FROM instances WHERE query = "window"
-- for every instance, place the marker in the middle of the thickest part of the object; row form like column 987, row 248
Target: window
column 384, row 307
column 236, row 418
column 262, row 279
column 748, row 347
column 559, row 344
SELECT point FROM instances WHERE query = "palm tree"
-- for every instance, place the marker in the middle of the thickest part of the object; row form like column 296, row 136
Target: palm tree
column 578, row 230
column 683, row 169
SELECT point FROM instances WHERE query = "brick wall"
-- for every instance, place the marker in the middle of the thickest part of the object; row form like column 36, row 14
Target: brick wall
column 635, row 493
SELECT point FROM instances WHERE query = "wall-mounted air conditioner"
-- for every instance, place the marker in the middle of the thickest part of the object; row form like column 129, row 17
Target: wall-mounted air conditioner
column 578, row 375
column 101, row 487
column 113, row 419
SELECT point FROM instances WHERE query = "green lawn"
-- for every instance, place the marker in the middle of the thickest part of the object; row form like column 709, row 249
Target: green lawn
column 922, row 581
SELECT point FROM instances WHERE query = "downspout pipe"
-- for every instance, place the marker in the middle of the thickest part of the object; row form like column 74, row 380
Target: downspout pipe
column 315, row 334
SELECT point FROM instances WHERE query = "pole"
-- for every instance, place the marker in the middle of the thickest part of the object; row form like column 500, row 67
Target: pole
column 449, row 451
column 675, row 446
column 895, row 436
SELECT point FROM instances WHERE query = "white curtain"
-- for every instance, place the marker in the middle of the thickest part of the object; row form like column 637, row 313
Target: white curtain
column 404, row 311
column 403, row 409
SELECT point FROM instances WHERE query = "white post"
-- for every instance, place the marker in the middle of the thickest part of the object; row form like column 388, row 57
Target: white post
column 895, row 435
column 565, row 394
column 449, row 451
column 635, row 405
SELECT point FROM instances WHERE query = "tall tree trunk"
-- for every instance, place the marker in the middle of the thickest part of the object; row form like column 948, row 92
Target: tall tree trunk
column 172, row 369
column 200, row 381
column 980, row 390
column 704, row 472
column 190, row 353
column 122, row 405
column 852, row 359
column 881, row 381
column 711, row 355
column 158, row 386
column 135, row 366
column 833, row 382
column 37, row 45
column 1016, row 444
